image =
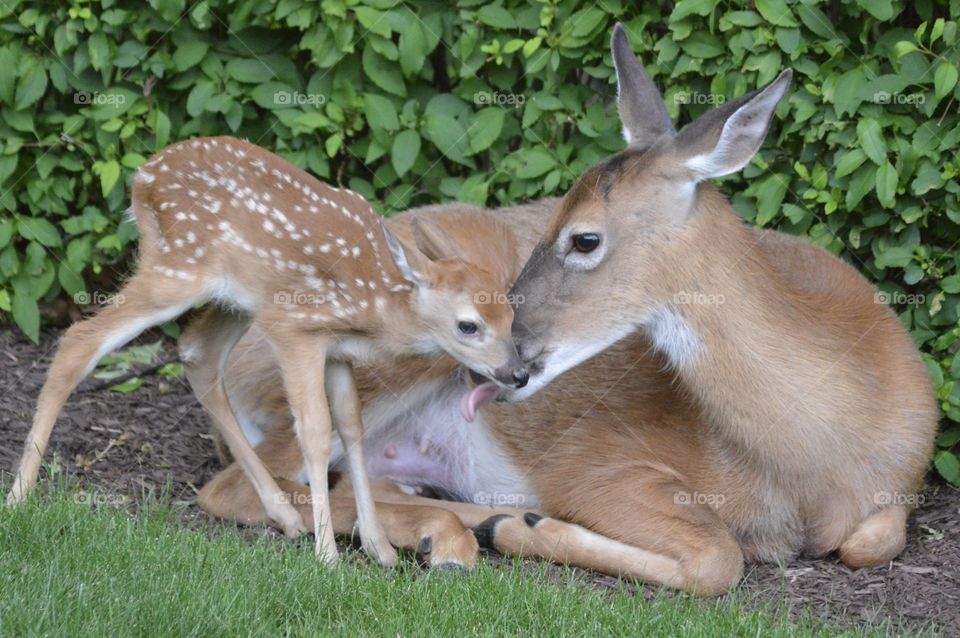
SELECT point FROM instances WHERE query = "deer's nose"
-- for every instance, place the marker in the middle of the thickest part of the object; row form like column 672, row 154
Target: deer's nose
column 520, row 377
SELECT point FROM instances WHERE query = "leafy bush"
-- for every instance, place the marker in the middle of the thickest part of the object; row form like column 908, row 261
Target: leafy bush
column 491, row 103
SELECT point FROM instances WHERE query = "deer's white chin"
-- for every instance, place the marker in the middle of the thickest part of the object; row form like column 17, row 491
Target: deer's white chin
column 564, row 357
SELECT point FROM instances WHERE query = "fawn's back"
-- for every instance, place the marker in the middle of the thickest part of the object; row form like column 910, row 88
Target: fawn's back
column 208, row 208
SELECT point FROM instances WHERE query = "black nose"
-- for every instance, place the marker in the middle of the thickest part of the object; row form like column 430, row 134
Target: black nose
column 520, row 377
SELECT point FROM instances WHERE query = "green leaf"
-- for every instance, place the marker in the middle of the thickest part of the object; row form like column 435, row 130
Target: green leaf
column 373, row 21
column 380, row 112
column 161, row 129
column 412, row 49
column 100, row 50
column 109, row 174
column 406, row 148
column 776, row 12
column 703, row 45
column 534, row 162
column 70, row 279
column 894, row 257
column 879, row 9
column 30, row 86
column 273, row 95
column 39, row 229
column 250, row 71
column 887, row 184
column 26, row 314
column 189, row 54
column 871, row 140
column 485, row 128
column 944, row 79
column 769, row 192
column 447, row 134
column 849, row 162
column 382, row 73
column 902, row 48
column 947, row 464
column 686, row 8
column 497, row 17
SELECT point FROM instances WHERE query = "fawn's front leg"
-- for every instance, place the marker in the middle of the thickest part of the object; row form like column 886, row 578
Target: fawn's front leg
column 345, row 407
column 302, row 357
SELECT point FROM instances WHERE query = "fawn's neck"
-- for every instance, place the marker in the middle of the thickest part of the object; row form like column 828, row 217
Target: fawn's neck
column 400, row 331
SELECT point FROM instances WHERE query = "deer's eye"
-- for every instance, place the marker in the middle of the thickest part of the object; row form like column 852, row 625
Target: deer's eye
column 467, row 327
column 586, row 242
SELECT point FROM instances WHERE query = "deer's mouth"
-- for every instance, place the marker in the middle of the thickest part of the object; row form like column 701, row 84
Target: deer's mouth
column 484, row 391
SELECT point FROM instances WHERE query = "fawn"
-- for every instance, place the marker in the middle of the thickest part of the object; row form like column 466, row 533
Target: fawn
column 312, row 266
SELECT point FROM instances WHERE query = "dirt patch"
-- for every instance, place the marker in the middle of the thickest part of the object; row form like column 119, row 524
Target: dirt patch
column 155, row 437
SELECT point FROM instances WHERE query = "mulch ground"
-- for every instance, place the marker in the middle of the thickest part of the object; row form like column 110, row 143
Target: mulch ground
column 156, row 438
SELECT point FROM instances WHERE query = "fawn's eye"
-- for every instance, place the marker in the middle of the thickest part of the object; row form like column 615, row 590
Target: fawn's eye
column 586, row 242
column 467, row 327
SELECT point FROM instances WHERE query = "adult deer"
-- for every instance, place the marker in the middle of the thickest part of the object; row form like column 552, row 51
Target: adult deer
column 821, row 412
column 312, row 266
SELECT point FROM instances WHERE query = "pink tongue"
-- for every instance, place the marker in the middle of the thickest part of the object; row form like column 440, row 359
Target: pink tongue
column 483, row 393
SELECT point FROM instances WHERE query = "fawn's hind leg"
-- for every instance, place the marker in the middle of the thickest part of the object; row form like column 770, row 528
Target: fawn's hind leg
column 345, row 409
column 147, row 300
column 206, row 347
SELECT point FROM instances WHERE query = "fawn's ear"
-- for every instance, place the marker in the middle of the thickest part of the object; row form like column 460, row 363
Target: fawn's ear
column 434, row 241
column 642, row 111
column 723, row 140
column 400, row 253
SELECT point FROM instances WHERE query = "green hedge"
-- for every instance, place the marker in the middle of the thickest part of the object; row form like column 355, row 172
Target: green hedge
column 491, row 103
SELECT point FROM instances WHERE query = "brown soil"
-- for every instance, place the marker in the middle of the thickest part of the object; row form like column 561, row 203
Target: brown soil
column 156, row 437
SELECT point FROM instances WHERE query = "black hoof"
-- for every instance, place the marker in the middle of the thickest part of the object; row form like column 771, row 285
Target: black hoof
column 426, row 545
column 532, row 519
column 485, row 530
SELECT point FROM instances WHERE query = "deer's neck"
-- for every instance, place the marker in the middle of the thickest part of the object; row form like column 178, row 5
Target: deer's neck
column 741, row 339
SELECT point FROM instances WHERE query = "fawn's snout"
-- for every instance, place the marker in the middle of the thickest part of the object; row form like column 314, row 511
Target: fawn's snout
column 513, row 373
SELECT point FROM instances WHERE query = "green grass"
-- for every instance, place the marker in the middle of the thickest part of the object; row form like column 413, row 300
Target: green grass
column 67, row 569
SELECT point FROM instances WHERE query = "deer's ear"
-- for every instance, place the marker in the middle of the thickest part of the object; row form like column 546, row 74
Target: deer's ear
column 723, row 140
column 433, row 240
column 401, row 260
column 642, row 111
